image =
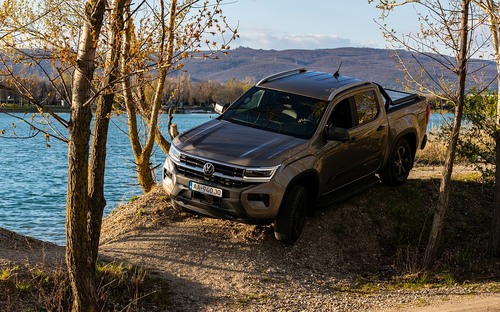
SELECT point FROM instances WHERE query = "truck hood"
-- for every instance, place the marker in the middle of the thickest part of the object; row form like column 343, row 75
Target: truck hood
column 237, row 144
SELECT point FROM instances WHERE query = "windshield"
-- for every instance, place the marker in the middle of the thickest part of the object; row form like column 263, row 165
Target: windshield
column 277, row 111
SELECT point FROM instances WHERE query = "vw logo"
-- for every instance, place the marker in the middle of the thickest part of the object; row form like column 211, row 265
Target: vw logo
column 208, row 169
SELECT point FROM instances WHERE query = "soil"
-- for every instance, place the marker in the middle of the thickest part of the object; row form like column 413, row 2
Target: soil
column 218, row 265
column 15, row 249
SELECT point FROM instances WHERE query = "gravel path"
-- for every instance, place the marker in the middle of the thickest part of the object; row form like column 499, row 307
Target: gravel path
column 217, row 265
column 214, row 272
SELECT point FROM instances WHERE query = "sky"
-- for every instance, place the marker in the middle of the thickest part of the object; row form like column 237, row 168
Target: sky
column 311, row 24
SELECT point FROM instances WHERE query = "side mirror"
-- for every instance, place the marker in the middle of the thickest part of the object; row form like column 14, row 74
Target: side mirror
column 337, row 134
column 220, row 108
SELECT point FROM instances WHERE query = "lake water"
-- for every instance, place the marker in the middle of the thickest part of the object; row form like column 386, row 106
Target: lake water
column 33, row 176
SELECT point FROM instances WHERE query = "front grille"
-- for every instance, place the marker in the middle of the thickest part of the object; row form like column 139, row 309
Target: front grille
column 226, row 175
column 230, row 172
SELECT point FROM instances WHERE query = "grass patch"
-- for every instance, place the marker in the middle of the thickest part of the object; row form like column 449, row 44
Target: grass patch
column 412, row 281
column 399, row 211
column 6, row 273
column 401, row 219
column 246, row 298
column 121, row 287
column 133, row 199
column 433, row 154
column 140, row 212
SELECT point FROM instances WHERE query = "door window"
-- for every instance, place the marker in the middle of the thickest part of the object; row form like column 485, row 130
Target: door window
column 341, row 116
column 366, row 106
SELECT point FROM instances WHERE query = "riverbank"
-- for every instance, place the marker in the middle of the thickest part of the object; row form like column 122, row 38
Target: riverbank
column 359, row 255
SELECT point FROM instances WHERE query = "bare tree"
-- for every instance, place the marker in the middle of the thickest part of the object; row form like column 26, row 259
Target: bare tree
column 151, row 53
column 491, row 9
column 445, row 28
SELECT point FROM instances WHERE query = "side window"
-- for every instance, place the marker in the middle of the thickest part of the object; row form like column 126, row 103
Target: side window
column 341, row 116
column 367, row 106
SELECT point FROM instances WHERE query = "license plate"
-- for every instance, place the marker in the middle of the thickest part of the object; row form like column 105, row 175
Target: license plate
column 205, row 189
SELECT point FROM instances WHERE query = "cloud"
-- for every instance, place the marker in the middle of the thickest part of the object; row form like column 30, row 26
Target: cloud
column 267, row 41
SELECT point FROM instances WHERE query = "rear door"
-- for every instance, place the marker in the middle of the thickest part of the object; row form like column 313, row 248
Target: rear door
column 371, row 133
column 344, row 162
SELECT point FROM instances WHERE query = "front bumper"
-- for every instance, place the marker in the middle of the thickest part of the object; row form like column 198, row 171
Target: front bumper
column 256, row 203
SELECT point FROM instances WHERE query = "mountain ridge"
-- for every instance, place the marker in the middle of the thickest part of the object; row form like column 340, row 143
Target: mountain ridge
column 370, row 64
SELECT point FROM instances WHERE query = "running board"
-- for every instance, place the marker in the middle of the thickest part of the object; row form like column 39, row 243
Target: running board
column 348, row 191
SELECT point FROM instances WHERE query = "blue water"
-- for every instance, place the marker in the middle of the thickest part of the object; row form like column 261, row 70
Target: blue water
column 437, row 119
column 33, row 176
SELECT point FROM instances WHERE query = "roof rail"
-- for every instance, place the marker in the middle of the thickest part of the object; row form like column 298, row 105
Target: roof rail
column 346, row 87
column 282, row 74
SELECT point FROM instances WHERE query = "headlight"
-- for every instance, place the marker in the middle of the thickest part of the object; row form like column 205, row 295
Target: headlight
column 260, row 173
column 174, row 153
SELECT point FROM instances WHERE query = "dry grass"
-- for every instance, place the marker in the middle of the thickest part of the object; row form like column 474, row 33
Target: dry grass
column 121, row 287
column 434, row 154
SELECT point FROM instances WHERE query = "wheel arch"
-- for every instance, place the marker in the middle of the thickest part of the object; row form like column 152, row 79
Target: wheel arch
column 411, row 137
column 395, row 171
column 310, row 181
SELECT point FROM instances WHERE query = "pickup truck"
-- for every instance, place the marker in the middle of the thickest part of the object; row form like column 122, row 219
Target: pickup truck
column 295, row 141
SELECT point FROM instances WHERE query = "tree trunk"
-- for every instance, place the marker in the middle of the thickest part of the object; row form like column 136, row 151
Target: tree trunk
column 494, row 243
column 439, row 215
column 101, row 125
column 144, row 174
column 444, row 190
column 81, row 268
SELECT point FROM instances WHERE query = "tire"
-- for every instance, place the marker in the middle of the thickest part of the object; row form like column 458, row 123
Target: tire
column 292, row 215
column 399, row 164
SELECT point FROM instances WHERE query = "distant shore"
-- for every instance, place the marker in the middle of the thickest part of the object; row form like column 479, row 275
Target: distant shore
column 61, row 109
column 32, row 109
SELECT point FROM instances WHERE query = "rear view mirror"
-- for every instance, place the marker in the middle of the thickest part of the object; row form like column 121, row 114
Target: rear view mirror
column 220, row 108
column 337, row 134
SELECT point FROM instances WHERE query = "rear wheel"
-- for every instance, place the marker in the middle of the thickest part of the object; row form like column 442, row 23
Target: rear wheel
column 399, row 164
column 292, row 215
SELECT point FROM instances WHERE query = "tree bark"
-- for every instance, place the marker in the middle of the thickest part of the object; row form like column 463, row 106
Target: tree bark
column 81, row 268
column 444, row 189
column 494, row 240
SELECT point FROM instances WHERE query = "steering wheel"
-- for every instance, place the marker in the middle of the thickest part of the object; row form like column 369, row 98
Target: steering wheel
column 306, row 121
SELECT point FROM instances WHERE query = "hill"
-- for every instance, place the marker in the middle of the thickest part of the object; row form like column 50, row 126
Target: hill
column 377, row 65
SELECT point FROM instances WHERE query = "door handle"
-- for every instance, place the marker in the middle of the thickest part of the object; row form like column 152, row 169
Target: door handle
column 381, row 127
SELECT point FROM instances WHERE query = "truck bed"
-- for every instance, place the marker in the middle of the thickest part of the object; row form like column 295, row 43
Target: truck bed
column 400, row 99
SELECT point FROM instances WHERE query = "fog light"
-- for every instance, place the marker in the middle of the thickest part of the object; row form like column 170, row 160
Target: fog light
column 264, row 198
column 167, row 174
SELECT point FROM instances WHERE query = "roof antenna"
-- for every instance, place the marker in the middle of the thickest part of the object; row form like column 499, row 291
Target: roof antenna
column 337, row 75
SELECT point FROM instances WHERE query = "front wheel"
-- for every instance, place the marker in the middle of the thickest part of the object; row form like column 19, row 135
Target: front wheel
column 292, row 215
column 399, row 164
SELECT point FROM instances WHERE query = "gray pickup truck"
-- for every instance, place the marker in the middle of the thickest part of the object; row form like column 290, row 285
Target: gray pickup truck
column 295, row 141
